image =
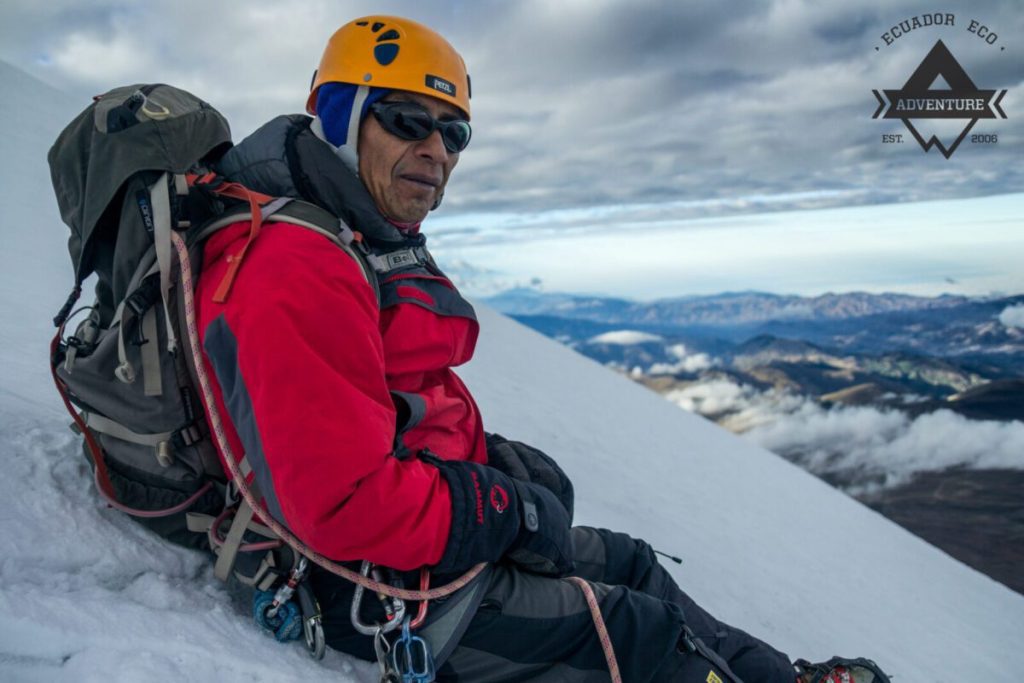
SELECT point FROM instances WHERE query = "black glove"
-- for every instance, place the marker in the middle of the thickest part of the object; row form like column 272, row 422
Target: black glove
column 494, row 516
column 526, row 463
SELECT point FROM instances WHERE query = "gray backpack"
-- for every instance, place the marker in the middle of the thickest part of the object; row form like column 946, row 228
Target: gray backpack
column 129, row 170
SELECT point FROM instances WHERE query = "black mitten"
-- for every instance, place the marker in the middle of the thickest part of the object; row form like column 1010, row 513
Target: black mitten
column 526, row 463
column 494, row 516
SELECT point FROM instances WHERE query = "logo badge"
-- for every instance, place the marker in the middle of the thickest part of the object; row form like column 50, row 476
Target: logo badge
column 919, row 99
column 441, row 85
column 499, row 499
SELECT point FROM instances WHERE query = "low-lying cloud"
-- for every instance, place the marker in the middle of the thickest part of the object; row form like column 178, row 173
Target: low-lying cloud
column 862, row 448
column 625, row 338
column 686, row 362
column 1013, row 316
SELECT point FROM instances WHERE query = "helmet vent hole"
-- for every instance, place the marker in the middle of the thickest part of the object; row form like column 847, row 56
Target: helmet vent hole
column 386, row 53
column 390, row 34
column 377, row 25
column 362, row 23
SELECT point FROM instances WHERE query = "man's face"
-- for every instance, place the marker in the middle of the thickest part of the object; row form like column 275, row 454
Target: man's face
column 406, row 177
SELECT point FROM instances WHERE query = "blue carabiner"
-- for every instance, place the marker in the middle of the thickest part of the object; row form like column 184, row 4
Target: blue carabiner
column 411, row 657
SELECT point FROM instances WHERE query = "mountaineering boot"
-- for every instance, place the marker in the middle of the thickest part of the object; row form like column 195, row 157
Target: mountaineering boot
column 840, row 670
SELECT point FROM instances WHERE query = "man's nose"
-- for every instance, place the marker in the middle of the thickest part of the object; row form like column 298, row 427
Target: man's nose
column 432, row 148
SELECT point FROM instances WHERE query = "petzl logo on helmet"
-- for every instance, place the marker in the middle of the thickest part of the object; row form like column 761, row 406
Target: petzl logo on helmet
column 961, row 100
column 441, row 85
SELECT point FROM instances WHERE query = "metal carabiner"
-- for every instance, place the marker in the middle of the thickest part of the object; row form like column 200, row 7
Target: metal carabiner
column 382, row 648
column 312, row 621
column 395, row 615
column 287, row 589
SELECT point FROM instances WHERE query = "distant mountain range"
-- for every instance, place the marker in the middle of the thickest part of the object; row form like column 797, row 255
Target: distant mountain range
column 938, row 345
column 729, row 309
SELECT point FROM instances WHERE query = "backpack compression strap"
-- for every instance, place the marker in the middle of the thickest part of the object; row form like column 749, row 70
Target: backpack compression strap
column 221, row 187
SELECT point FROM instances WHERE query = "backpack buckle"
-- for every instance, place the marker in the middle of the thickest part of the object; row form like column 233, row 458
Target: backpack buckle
column 186, row 436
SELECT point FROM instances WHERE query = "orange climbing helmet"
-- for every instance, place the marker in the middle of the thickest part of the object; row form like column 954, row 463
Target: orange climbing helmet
column 392, row 52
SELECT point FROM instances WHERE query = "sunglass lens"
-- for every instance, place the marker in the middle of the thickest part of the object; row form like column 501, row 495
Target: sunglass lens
column 456, row 135
column 411, row 124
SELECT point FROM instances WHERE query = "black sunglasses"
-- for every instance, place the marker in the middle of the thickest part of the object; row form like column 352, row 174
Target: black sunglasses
column 411, row 121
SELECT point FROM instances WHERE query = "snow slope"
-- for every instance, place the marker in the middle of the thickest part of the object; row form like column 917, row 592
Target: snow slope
column 87, row 595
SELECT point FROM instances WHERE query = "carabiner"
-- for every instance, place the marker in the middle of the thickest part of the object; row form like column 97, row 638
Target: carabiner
column 382, row 648
column 411, row 657
column 312, row 621
column 287, row 589
column 395, row 615
column 421, row 613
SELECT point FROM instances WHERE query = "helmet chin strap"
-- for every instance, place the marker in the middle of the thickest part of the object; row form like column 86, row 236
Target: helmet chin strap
column 437, row 202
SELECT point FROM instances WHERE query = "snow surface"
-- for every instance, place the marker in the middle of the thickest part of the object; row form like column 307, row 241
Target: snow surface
column 86, row 595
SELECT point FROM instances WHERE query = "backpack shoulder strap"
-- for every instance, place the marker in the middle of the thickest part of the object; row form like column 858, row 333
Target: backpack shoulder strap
column 306, row 215
column 298, row 212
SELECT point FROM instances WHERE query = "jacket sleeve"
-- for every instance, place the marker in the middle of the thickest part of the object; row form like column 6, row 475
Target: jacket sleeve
column 299, row 359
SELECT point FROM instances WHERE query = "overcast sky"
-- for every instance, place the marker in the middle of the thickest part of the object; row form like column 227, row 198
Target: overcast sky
column 608, row 112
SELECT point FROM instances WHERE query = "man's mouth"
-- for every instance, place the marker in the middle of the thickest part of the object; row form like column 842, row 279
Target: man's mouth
column 423, row 180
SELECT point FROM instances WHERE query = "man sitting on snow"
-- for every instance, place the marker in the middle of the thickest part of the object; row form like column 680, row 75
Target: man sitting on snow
column 366, row 444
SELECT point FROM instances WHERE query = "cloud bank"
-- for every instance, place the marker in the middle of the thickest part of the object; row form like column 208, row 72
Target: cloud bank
column 861, row 447
column 587, row 105
column 1013, row 316
column 624, row 338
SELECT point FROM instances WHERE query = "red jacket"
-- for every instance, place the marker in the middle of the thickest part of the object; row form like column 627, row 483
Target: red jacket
column 304, row 363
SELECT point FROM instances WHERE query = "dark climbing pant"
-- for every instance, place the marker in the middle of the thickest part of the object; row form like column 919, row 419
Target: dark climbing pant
column 535, row 628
